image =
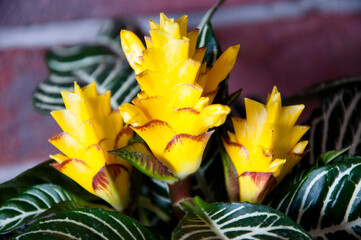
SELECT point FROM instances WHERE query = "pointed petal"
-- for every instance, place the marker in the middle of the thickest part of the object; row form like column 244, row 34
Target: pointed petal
column 290, row 114
column 153, row 25
column 112, row 184
column 132, row 115
column 184, row 120
column 299, row 148
column 67, row 121
column 75, row 104
column 155, row 59
column 90, row 90
column 67, row 144
column 254, row 186
column 198, row 54
column 132, row 48
column 156, row 134
column 183, row 72
column 221, row 68
column 293, row 136
column 59, row 158
column 193, row 35
column 184, row 152
column 245, row 133
column 160, row 38
column 186, row 95
column 163, row 19
column 176, row 50
column 238, row 154
column 77, row 170
column 212, row 116
column 182, row 21
column 201, row 103
column 154, row 107
column 149, row 82
column 256, row 112
column 148, row 42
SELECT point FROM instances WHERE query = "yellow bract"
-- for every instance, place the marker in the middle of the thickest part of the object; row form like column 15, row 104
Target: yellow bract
column 266, row 142
column 174, row 111
column 91, row 129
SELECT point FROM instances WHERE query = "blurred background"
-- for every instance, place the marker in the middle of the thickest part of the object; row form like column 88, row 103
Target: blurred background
column 289, row 43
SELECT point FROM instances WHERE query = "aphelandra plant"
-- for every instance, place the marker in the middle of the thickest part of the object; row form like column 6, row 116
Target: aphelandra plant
column 138, row 147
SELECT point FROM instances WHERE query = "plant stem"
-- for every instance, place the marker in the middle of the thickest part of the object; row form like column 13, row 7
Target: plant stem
column 179, row 191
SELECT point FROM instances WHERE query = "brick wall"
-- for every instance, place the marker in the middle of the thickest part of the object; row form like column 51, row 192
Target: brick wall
column 292, row 44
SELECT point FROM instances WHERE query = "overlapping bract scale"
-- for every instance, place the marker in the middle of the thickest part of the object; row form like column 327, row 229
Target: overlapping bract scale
column 91, row 129
column 265, row 146
column 174, row 111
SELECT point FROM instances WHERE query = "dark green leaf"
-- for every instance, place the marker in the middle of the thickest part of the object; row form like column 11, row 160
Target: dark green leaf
column 140, row 157
column 328, row 157
column 87, row 224
column 32, row 203
column 42, row 173
column 235, row 221
column 206, row 38
column 231, row 177
column 327, row 201
column 338, row 124
column 102, row 61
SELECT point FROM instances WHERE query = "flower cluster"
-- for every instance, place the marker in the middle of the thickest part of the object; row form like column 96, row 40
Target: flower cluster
column 265, row 146
column 173, row 114
column 91, row 129
column 174, row 111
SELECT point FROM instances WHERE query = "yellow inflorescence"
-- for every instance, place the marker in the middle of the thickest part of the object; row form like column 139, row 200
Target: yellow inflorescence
column 174, row 111
column 91, row 129
column 266, row 142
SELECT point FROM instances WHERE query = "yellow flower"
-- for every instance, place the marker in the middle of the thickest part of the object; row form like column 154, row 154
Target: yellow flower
column 171, row 58
column 265, row 146
column 174, row 111
column 91, row 129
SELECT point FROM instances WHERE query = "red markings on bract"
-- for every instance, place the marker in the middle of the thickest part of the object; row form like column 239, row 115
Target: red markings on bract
column 187, row 109
column 264, row 181
column 58, row 137
column 150, row 125
column 179, row 138
column 106, row 175
column 60, row 166
column 125, row 131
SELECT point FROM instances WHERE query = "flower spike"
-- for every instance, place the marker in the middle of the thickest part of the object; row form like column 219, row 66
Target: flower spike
column 265, row 146
column 91, row 129
column 174, row 111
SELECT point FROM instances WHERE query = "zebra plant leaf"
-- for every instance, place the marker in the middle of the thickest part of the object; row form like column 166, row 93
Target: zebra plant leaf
column 32, row 203
column 326, row 202
column 87, row 224
column 139, row 156
column 42, row 174
column 337, row 124
column 235, row 221
column 102, row 61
